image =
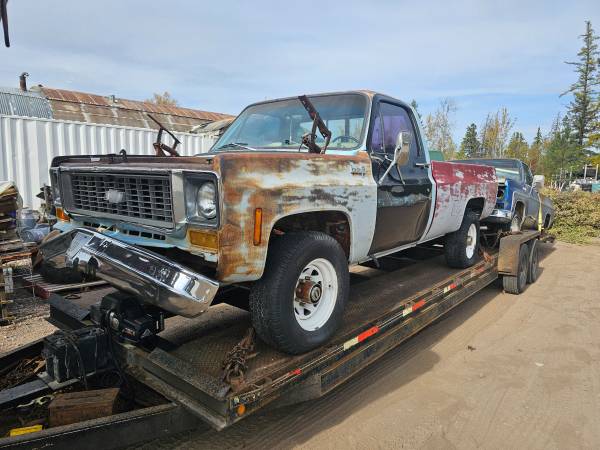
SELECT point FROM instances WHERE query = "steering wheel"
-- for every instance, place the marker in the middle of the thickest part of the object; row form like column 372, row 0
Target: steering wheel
column 345, row 136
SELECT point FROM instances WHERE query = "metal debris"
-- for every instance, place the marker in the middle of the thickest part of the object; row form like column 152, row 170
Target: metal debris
column 235, row 365
column 19, row 372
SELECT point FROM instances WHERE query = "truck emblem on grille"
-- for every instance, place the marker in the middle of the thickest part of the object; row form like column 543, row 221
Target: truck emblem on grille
column 114, row 196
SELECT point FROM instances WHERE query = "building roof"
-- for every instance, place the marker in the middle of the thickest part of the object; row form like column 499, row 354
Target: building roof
column 15, row 102
column 85, row 107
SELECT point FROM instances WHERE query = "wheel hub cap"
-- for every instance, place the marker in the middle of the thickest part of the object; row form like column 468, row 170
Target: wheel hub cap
column 308, row 291
column 315, row 294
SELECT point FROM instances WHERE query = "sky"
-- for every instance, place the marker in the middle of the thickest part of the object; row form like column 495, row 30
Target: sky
column 222, row 55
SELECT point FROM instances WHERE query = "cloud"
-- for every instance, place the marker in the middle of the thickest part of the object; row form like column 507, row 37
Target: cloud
column 222, row 55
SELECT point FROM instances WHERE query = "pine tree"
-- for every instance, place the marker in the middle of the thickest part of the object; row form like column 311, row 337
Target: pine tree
column 536, row 149
column 470, row 145
column 583, row 109
column 415, row 106
column 563, row 152
column 517, row 147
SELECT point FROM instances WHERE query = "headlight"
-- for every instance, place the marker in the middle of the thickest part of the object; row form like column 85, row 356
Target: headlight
column 207, row 201
column 54, row 181
column 201, row 199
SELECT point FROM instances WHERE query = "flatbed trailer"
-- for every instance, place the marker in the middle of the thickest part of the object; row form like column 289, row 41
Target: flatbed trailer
column 389, row 302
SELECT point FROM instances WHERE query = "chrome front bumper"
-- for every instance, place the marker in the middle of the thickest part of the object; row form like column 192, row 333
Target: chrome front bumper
column 499, row 216
column 150, row 277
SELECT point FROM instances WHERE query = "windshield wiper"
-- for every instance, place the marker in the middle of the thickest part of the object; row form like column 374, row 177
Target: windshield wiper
column 309, row 139
column 237, row 144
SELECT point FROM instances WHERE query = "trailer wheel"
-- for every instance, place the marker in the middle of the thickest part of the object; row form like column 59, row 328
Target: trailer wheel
column 462, row 246
column 298, row 303
column 534, row 262
column 515, row 284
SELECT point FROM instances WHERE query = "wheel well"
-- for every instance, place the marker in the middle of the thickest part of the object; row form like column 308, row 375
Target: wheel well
column 476, row 205
column 333, row 223
column 520, row 207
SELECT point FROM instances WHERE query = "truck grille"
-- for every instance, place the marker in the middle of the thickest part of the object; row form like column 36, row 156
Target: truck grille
column 141, row 198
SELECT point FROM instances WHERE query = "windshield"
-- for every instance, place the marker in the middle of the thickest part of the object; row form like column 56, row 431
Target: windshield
column 506, row 169
column 281, row 124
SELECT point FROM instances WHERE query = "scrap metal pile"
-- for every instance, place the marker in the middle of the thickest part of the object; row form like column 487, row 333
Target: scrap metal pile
column 15, row 257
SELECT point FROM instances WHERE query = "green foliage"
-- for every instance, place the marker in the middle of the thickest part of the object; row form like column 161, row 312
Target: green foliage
column 415, row 106
column 577, row 215
column 470, row 145
column 583, row 109
column 562, row 152
column 517, row 147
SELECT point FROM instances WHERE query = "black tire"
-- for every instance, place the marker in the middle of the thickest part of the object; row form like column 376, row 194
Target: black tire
column 63, row 275
column 516, row 223
column 272, row 297
column 456, row 244
column 533, row 269
column 516, row 284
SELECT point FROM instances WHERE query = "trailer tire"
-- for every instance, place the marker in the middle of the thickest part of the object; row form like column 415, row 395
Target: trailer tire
column 459, row 249
column 278, row 316
column 534, row 262
column 515, row 284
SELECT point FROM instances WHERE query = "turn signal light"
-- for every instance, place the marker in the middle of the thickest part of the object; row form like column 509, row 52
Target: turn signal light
column 62, row 215
column 257, row 226
column 205, row 239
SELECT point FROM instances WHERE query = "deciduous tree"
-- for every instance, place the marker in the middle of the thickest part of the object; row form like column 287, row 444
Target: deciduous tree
column 438, row 128
column 164, row 99
column 494, row 133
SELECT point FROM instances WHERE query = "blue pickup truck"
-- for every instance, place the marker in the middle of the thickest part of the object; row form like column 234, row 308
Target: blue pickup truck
column 519, row 198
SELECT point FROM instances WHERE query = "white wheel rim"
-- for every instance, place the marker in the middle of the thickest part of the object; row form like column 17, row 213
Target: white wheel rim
column 471, row 240
column 312, row 316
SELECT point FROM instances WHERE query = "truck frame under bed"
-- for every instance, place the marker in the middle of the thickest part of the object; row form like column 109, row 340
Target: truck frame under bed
column 386, row 306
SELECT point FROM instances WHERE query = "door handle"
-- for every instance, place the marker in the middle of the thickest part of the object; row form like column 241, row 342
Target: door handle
column 422, row 165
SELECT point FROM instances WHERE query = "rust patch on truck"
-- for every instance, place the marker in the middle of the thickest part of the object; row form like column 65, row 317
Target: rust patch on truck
column 281, row 184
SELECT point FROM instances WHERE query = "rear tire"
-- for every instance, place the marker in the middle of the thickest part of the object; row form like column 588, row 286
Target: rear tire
column 278, row 316
column 534, row 262
column 462, row 246
column 516, row 284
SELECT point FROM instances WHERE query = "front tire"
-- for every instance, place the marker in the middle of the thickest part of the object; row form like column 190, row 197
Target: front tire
column 299, row 302
column 462, row 246
column 516, row 223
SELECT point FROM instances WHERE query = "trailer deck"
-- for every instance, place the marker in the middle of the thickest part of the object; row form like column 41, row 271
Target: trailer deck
column 387, row 305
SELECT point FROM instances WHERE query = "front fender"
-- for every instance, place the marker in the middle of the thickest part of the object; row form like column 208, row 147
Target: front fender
column 283, row 184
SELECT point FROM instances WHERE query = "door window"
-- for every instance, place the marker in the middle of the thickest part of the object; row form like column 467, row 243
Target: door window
column 390, row 121
column 528, row 175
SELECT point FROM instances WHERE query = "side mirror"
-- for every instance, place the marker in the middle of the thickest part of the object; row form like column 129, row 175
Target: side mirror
column 402, row 149
column 401, row 154
column 538, row 181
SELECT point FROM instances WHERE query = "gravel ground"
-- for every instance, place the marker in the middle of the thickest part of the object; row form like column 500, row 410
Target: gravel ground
column 500, row 371
column 29, row 324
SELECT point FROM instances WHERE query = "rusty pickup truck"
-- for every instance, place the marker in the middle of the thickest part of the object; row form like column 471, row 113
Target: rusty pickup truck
column 293, row 193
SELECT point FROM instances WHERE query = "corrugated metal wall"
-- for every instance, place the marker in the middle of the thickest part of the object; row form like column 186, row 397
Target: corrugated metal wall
column 27, row 146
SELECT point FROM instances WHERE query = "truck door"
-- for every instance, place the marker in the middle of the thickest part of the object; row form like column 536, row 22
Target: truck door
column 404, row 196
column 533, row 197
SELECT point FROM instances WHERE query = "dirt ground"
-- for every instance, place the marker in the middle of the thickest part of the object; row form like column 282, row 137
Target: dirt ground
column 500, row 371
